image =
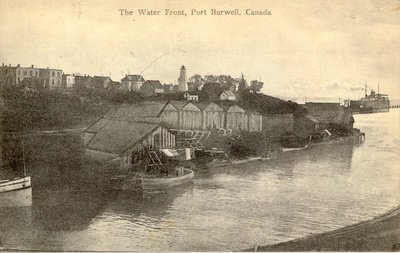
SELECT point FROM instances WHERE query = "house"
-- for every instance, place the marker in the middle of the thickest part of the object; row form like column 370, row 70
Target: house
column 83, row 82
column 14, row 75
column 151, row 88
column 191, row 96
column 131, row 83
column 227, row 95
column 331, row 113
column 53, row 77
column 68, row 81
column 102, row 82
column 168, row 88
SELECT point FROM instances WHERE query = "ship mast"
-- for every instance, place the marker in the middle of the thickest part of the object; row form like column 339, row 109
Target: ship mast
column 23, row 157
column 365, row 90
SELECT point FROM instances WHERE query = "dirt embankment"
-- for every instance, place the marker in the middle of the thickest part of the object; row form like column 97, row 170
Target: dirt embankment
column 379, row 234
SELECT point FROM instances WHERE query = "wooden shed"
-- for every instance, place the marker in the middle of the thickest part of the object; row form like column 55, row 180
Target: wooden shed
column 255, row 122
column 213, row 117
column 170, row 115
column 236, row 118
column 190, row 117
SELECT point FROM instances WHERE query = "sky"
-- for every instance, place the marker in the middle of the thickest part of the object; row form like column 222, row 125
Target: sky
column 304, row 48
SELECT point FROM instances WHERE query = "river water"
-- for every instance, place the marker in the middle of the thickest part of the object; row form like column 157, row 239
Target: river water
column 302, row 192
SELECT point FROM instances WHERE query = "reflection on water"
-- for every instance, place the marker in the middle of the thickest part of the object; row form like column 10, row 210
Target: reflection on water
column 302, row 192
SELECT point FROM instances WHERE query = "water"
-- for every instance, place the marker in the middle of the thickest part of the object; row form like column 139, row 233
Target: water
column 303, row 192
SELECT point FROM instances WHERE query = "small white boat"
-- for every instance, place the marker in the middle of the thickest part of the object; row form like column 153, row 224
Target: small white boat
column 140, row 182
column 294, row 149
column 15, row 184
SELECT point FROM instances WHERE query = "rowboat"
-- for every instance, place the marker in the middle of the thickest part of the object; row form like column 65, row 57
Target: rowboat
column 15, row 184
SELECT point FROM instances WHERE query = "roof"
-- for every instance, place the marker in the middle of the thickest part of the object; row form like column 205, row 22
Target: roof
column 134, row 78
column 154, row 84
column 102, row 78
column 117, row 136
column 330, row 113
column 179, row 104
column 136, row 112
column 312, row 118
column 229, row 93
column 98, row 125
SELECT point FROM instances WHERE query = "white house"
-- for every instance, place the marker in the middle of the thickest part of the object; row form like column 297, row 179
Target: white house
column 227, row 95
column 191, row 96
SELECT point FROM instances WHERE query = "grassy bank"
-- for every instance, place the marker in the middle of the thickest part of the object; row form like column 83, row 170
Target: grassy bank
column 379, row 234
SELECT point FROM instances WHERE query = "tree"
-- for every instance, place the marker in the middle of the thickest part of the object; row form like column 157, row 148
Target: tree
column 242, row 84
column 256, row 86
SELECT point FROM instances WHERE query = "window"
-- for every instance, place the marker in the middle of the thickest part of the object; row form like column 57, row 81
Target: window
column 19, row 79
column 52, row 82
column 19, row 72
column 37, row 74
column 30, row 73
column 59, row 74
column 52, row 73
column 25, row 73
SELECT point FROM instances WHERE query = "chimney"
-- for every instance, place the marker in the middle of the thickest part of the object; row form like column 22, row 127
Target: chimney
column 32, row 66
column 18, row 65
column 9, row 64
column 2, row 64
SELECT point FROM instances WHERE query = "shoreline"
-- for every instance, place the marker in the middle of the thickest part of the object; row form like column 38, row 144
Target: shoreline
column 381, row 233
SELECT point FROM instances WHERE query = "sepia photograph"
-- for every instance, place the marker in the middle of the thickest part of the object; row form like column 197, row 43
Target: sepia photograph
column 198, row 126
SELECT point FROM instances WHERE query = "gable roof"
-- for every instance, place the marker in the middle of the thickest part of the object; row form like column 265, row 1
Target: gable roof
column 101, row 78
column 235, row 108
column 229, row 93
column 134, row 78
column 117, row 136
column 178, row 104
column 190, row 107
column 155, row 84
column 136, row 112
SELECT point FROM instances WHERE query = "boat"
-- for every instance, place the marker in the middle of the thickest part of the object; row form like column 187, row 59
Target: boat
column 16, row 191
column 374, row 102
column 139, row 182
column 15, row 184
column 153, row 170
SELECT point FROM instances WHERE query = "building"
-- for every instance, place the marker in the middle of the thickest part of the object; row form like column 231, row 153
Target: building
column 124, row 130
column 227, row 95
column 168, row 88
column 191, row 96
column 236, row 118
column 213, row 116
column 306, row 125
column 68, row 81
column 331, row 113
column 8, row 74
column 83, row 82
column 102, row 83
column 26, row 72
column 53, row 77
column 182, row 80
column 274, row 125
column 131, row 83
column 151, row 88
